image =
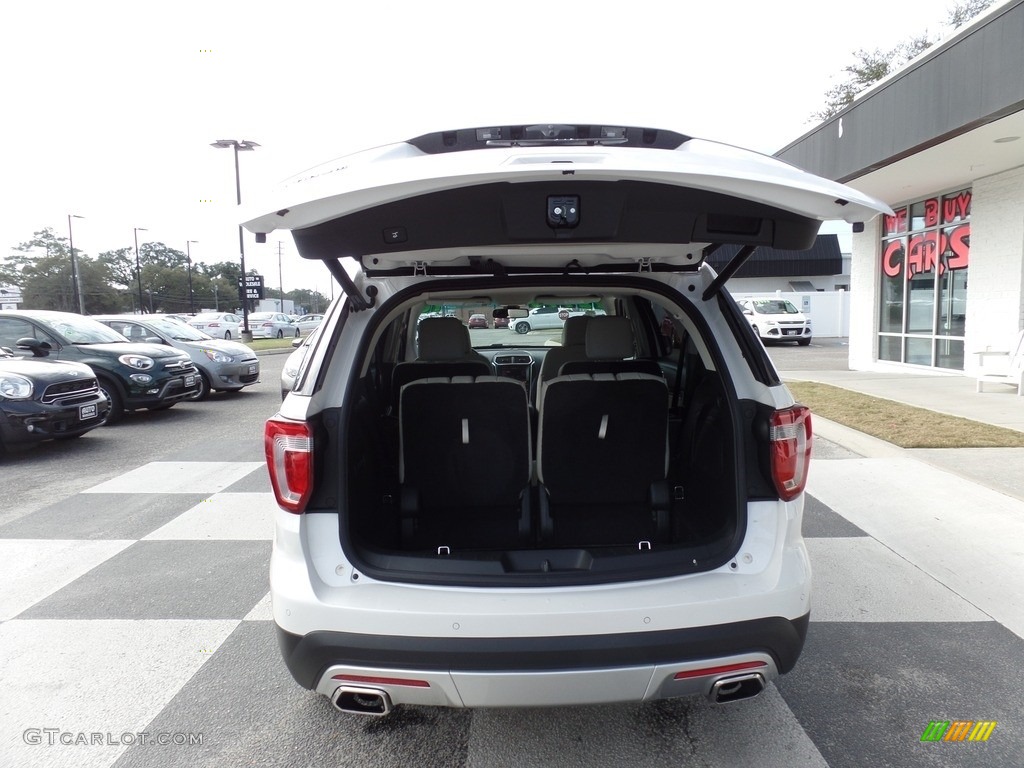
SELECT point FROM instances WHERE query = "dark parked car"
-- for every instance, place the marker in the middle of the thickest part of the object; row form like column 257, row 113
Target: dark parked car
column 132, row 376
column 46, row 400
column 223, row 365
column 477, row 321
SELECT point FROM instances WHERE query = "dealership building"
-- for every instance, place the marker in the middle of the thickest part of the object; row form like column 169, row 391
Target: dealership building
column 942, row 142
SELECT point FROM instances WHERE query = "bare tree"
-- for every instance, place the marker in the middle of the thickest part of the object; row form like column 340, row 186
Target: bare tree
column 871, row 66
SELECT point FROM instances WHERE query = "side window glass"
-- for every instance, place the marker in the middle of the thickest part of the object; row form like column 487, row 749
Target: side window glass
column 12, row 329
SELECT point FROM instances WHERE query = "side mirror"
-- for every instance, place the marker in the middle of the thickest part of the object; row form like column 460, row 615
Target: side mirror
column 154, row 340
column 38, row 347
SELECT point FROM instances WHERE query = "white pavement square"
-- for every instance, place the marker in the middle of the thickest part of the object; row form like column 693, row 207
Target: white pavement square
column 178, row 477
column 224, row 516
column 31, row 569
column 965, row 535
column 858, row 579
column 93, row 677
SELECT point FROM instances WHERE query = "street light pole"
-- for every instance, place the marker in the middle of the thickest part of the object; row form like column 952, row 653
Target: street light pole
column 191, row 296
column 76, row 280
column 138, row 266
column 240, row 146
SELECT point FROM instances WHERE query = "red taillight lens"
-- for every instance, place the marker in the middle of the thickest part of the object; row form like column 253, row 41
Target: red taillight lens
column 791, row 450
column 289, row 449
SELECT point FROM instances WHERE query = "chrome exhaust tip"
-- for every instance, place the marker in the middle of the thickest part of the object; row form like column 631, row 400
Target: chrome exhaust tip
column 736, row 688
column 362, row 701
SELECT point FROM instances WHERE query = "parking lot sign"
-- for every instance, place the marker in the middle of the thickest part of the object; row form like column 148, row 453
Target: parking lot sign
column 253, row 288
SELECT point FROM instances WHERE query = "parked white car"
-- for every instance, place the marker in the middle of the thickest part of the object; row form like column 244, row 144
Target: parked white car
column 777, row 320
column 272, row 325
column 546, row 317
column 308, row 323
column 219, row 325
column 644, row 540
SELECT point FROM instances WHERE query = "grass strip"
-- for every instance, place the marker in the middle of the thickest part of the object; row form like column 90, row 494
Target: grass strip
column 900, row 424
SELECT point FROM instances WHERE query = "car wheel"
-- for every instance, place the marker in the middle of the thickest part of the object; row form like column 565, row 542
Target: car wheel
column 522, row 328
column 113, row 395
column 204, row 389
column 280, row 334
column 804, row 342
column 227, row 334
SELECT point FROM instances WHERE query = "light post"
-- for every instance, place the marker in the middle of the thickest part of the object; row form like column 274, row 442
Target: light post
column 240, row 146
column 138, row 265
column 191, row 296
column 76, row 281
column 150, row 292
column 216, row 300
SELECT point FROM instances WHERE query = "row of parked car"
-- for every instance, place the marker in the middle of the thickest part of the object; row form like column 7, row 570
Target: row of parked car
column 263, row 325
column 62, row 374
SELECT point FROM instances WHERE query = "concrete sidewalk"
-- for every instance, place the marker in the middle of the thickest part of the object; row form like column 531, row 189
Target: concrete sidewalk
column 1001, row 469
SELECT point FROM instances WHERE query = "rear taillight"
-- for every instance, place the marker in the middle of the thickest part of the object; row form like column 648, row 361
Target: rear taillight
column 791, row 450
column 289, row 449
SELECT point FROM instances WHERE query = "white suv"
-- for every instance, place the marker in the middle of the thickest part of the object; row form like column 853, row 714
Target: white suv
column 468, row 527
column 777, row 320
column 543, row 318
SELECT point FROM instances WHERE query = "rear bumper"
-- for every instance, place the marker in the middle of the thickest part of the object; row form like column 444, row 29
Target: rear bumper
column 542, row 671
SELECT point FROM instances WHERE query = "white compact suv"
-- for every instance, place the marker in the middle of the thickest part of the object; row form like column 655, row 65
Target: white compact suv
column 777, row 320
column 480, row 519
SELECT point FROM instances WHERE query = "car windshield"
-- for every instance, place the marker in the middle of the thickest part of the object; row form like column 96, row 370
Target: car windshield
column 543, row 322
column 82, row 330
column 208, row 316
column 177, row 330
column 261, row 315
column 775, row 307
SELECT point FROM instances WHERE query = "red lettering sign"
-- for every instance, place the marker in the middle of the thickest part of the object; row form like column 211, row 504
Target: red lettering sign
column 897, row 222
column 960, row 247
column 931, row 212
column 892, row 258
column 958, row 207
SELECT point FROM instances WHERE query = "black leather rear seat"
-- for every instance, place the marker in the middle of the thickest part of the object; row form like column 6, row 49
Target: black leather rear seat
column 602, row 459
column 465, row 463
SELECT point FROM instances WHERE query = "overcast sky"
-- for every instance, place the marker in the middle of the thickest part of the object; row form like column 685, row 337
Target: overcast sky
column 109, row 108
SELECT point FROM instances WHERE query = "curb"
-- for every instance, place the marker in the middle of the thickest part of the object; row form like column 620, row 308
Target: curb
column 867, row 446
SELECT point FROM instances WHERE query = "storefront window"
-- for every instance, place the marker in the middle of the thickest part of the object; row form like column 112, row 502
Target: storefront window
column 923, row 292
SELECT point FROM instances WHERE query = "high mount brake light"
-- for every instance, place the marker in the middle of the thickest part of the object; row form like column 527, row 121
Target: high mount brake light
column 288, row 446
column 790, row 437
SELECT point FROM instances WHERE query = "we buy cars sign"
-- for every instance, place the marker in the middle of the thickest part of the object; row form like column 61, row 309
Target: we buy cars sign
column 253, row 288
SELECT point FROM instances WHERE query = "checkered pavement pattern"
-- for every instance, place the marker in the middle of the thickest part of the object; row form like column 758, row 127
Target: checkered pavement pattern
column 139, row 611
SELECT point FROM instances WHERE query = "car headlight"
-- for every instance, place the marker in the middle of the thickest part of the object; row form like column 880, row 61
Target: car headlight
column 15, row 387
column 141, row 378
column 770, row 322
column 138, row 362
column 217, row 356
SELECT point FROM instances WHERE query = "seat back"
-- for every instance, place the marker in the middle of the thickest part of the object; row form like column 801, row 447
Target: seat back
column 465, row 460
column 444, row 351
column 573, row 348
column 609, row 342
column 603, row 438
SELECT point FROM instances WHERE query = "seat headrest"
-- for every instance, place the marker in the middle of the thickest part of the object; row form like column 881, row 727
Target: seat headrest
column 609, row 337
column 443, row 338
column 574, row 331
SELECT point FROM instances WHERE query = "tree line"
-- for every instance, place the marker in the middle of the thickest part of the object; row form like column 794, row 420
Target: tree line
column 873, row 65
column 42, row 269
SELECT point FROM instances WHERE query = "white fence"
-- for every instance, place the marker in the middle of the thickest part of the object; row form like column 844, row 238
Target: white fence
column 829, row 310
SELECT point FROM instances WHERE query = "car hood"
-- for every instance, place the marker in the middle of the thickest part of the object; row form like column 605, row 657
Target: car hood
column 456, row 201
column 156, row 351
column 222, row 345
column 47, row 371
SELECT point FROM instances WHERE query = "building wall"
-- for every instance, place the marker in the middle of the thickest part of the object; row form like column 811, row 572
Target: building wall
column 995, row 289
column 995, row 292
column 864, row 288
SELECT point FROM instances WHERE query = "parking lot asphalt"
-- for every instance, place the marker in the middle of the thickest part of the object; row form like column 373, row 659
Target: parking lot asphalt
column 136, row 607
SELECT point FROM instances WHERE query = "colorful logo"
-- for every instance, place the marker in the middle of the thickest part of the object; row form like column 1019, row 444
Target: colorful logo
column 958, row 730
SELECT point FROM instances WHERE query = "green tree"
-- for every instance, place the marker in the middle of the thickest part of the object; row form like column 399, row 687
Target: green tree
column 871, row 66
